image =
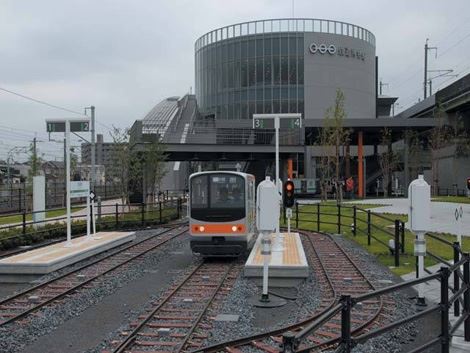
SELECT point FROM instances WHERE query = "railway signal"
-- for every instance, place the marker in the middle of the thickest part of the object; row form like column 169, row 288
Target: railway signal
column 289, row 194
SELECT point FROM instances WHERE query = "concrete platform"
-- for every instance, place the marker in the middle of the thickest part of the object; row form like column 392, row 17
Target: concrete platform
column 286, row 268
column 30, row 265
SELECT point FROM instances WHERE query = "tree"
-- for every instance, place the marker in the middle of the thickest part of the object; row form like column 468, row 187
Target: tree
column 74, row 172
column 138, row 170
column 388, row 159
column 462, row 138
column 325, row 161
column 125, row 162
column 333, row 135
column 153, row 168
column 415, row 150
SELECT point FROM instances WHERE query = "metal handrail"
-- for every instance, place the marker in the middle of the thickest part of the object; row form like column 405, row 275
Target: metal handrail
column 282, row 25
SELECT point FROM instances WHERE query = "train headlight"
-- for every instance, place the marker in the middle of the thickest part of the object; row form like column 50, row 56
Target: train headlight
column 201, row 228
column 234, row 228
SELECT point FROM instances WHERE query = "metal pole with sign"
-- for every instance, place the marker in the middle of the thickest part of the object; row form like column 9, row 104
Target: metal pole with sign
column 276, row 122
column 67, row 126
column 93, row 213
column 289, row 216
column 67, row 176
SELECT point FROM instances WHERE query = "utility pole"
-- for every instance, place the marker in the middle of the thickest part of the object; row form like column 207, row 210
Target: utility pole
column 35, row 159
column 382, row 84
column 92, row 181
column 93, row 151
column 440, row 73
column 426, row 49
column 65, row 173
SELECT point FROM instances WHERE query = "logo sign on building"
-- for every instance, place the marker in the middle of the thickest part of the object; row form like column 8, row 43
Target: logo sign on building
column 331, row 49
column 322, row 49
column 79, row 188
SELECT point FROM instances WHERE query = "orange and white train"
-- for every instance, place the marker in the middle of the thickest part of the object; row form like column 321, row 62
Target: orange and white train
column 221, row 211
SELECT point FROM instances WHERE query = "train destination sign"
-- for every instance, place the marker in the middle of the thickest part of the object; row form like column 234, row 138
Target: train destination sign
column 75, row 125
column 286, row 121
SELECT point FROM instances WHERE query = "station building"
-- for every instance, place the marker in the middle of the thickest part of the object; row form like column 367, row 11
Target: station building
column 278, row 66
column 284, row 66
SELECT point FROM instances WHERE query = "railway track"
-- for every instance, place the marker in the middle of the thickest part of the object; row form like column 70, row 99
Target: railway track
column 337, row 275
column 32, row 299
column 179, row 320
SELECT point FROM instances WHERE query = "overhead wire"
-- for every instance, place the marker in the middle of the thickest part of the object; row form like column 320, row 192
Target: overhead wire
column 438, row 42
column 52, row 105
column 40, row 101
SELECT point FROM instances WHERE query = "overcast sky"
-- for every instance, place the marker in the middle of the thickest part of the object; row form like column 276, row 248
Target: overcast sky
column 126, row 56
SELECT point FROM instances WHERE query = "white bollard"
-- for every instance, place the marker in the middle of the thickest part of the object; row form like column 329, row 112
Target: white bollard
column 267, row 218
column 419, row 217
column 266, row 252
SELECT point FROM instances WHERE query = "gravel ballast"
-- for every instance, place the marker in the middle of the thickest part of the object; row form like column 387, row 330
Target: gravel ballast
column 82, row 308
column 15, row 337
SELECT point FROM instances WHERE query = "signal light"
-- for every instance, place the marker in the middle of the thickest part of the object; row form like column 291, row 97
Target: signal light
column 289, row 199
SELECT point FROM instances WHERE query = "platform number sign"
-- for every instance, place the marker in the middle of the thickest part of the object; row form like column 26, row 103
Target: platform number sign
column 263, row 123
column 75, row 126
column 285, row 123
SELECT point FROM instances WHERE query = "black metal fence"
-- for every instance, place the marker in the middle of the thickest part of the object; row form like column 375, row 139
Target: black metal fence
column 358, row 220
column 349, row 338
column 449, row 191
column 19, row 197
column 19, row 228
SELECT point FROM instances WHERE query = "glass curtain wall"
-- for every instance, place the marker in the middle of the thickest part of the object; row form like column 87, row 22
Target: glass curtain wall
column 263, row 73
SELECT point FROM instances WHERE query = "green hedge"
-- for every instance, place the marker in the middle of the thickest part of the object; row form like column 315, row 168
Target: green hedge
column 14, row 237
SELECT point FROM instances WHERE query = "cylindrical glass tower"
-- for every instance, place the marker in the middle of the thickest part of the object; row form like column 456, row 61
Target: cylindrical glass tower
column 265, row 67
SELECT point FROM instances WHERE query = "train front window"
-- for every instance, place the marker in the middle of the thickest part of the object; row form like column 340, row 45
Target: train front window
column 227, row 191
column 199, row 192
column 217, row 197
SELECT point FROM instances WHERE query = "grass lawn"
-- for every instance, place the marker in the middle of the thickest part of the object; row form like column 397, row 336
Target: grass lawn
column 29, row 217
column 455, row 199
column 382, row 229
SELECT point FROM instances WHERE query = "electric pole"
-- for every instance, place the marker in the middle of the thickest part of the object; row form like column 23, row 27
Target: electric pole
column 65, row 172
column 382, row 84
column 439, row 73
column 426, row 49
column 92, row 147
column 93, row 151
column 35, row 159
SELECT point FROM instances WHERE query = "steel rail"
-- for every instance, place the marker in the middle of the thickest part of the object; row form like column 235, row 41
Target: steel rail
column 247, row 339
column 357, row 329
column 312, row 320
column 201, row 315
column 123, row 346
column 81, row 284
